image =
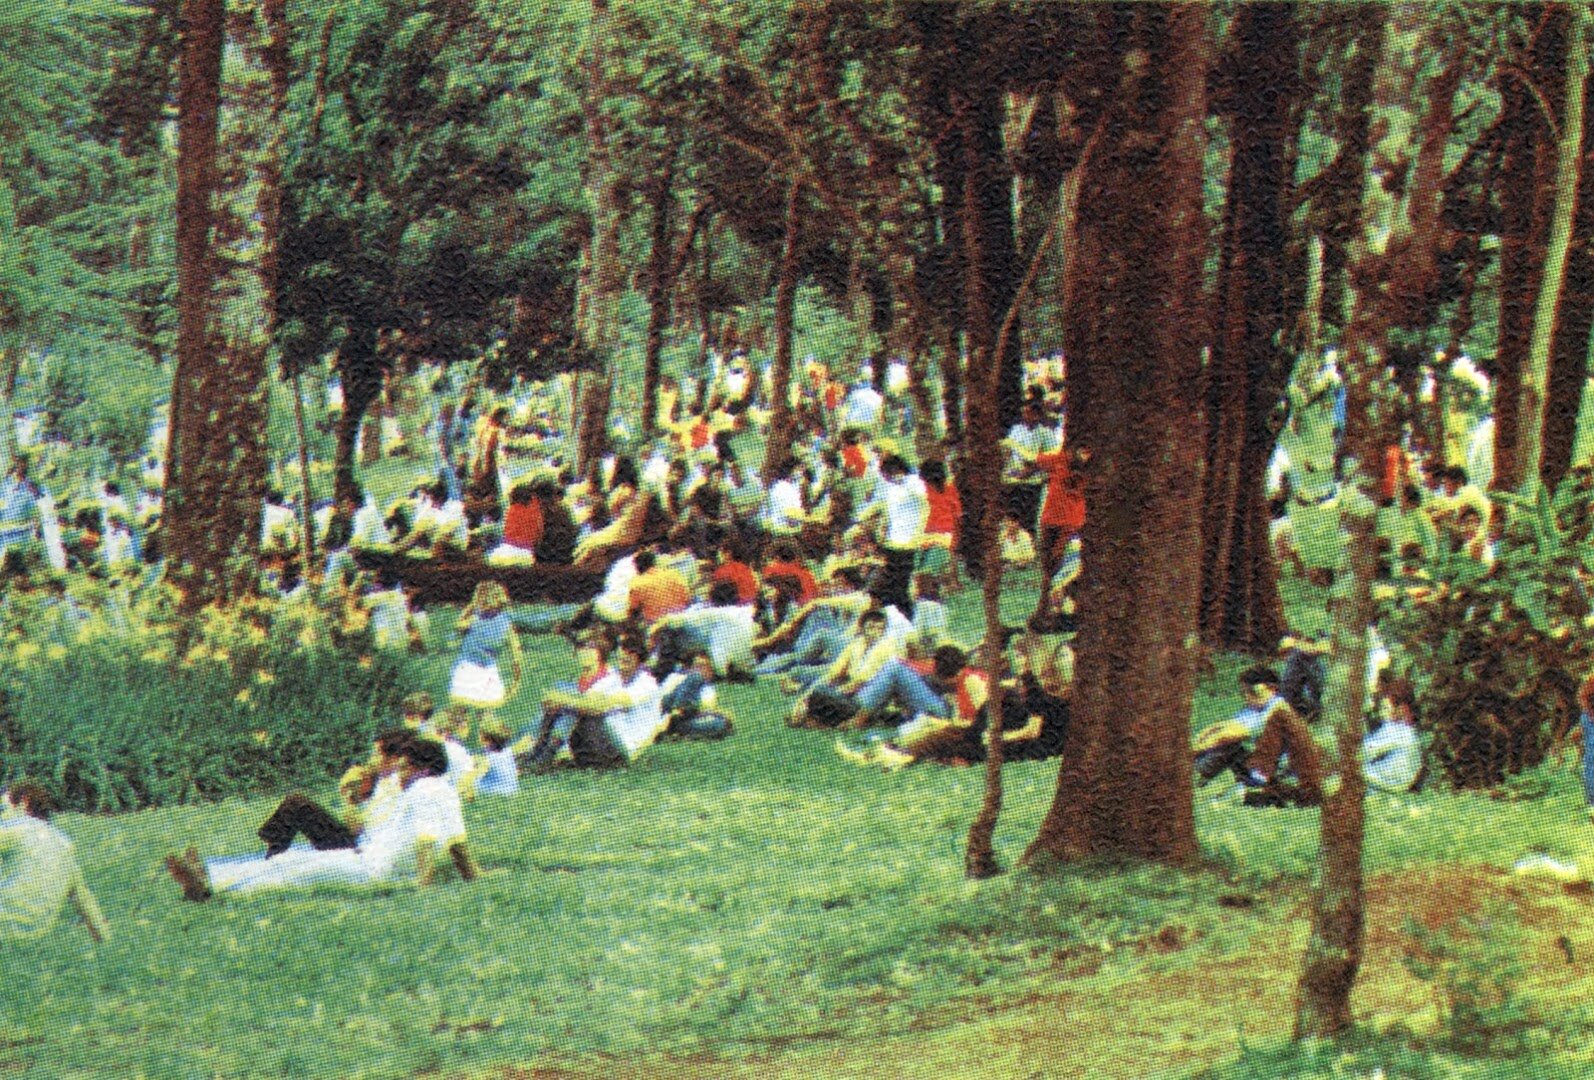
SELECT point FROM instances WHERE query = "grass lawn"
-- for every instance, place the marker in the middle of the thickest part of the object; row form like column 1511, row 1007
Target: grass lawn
column 760, row 907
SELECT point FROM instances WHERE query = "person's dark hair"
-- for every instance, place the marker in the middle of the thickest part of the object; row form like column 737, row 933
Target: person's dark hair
column 784, row 551
column 928, row 589
column 427, row 755
column 873, row 615
column 949, row 660
column 495, row 739
column 1259, row 675
column 644, row 561
column 635, row 644
column 934, row 473
column 522, row 494
column 1458, row 474
column 112, row 487
column 393, row 741
column 32, row 799
column 894, row 465
column 722, row 593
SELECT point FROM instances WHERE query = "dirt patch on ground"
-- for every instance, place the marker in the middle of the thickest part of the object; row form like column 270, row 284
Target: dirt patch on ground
column 1179, row 1006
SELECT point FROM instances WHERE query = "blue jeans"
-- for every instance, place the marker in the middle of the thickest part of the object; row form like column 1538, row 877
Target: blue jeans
column 897, row 681
column 819, row 642
column 1588, row 758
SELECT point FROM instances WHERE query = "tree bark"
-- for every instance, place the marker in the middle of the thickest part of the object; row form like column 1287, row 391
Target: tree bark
column 1528, row 172
column 1240, row 600
column 1569, row 364
column 598, row 328
column 1568, row 157
column 215, row 389
column 777, row 449
column 1134, row 345
column 658, row 291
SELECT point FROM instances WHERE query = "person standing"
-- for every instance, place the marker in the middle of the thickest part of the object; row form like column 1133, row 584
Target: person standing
column 488, row 637
column 904, row 506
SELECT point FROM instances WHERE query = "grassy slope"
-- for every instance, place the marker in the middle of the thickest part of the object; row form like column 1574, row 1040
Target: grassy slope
column 720, row 903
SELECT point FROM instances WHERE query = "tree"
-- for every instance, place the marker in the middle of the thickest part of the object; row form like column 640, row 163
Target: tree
column 1245, row 379
column 1568, row 159
column 1134, row 345
column 211, row 523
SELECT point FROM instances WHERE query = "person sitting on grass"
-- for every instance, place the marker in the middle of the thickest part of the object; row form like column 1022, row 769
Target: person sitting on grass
column 1392, row 752
column 540, row 741
column 426, row 816
column 1018, row 547
column 817, row 630
column 690, row 701
column 499, row 774
column 831, row 700
column 463, row 769
column 38, row 871
column 723, row 628
column 617, row 718
column 1255, row 744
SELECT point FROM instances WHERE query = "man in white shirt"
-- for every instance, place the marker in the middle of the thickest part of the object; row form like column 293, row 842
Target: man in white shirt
column 1025, row 483
column 427, row 816
column 783, row 509
column 904, row 506
column 862, row 407
column 722, row 628
column 619, row 716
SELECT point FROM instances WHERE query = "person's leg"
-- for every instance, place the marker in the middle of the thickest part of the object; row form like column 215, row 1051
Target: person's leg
column 1588, row 760
column 896, row 681
column 594, row 746
column 297, row 815
column 1285, row 733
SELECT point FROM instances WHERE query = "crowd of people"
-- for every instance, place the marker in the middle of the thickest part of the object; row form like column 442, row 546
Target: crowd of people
column 824, row 575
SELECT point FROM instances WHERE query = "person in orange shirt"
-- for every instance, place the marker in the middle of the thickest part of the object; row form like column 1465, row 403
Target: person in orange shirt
column 657, row 590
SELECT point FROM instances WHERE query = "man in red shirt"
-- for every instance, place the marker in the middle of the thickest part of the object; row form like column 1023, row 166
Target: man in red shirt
column 785, row 563
column 734, row 569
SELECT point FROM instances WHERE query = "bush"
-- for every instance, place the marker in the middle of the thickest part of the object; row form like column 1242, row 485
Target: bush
column 131, row 710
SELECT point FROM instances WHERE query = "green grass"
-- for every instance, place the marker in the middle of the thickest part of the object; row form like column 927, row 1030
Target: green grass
column 725, row 899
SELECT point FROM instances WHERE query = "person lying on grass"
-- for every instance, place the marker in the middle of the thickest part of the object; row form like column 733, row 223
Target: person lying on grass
column 370, row 792
column 38, row 871
column 426, row 816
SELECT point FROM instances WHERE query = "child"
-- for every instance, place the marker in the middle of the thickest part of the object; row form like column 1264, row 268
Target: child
column 488, row 635
column 463, row 770
column 499, row 775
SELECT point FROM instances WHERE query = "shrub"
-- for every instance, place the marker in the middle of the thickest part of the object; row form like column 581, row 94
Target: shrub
column 130, row 709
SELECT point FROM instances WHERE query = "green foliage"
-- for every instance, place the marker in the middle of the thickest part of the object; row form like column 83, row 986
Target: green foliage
column 1493, row 649
column 111, row 717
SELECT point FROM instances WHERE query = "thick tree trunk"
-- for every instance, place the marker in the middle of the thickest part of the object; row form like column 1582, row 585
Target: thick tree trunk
column 599, row 325
column 217, row 388
column 782, row 426
column 1569, row 160
column 1527, row 171
column 1134, row 345
column 986, row 235
column 1240, row 601
column 1569, row 364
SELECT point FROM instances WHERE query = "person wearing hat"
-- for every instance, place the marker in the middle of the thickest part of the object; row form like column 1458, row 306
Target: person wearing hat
column 1254, row 744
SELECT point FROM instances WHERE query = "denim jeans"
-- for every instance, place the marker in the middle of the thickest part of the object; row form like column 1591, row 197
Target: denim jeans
column 897, row 681
column 1588, row 758
column 818, row 643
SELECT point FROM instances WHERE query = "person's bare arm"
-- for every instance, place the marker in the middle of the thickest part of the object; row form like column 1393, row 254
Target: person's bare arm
column 89, row 910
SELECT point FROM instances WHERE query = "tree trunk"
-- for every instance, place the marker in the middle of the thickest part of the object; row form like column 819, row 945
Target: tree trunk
column 1569, row 365
column 1528, row 170
column 1134, row 346
column 598, row 328
column 1568, row 156
column 990, row 280
column 1240, row 601
column 198, row 543
column 1334, row 949
column 658, row 293
column 777, row 448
